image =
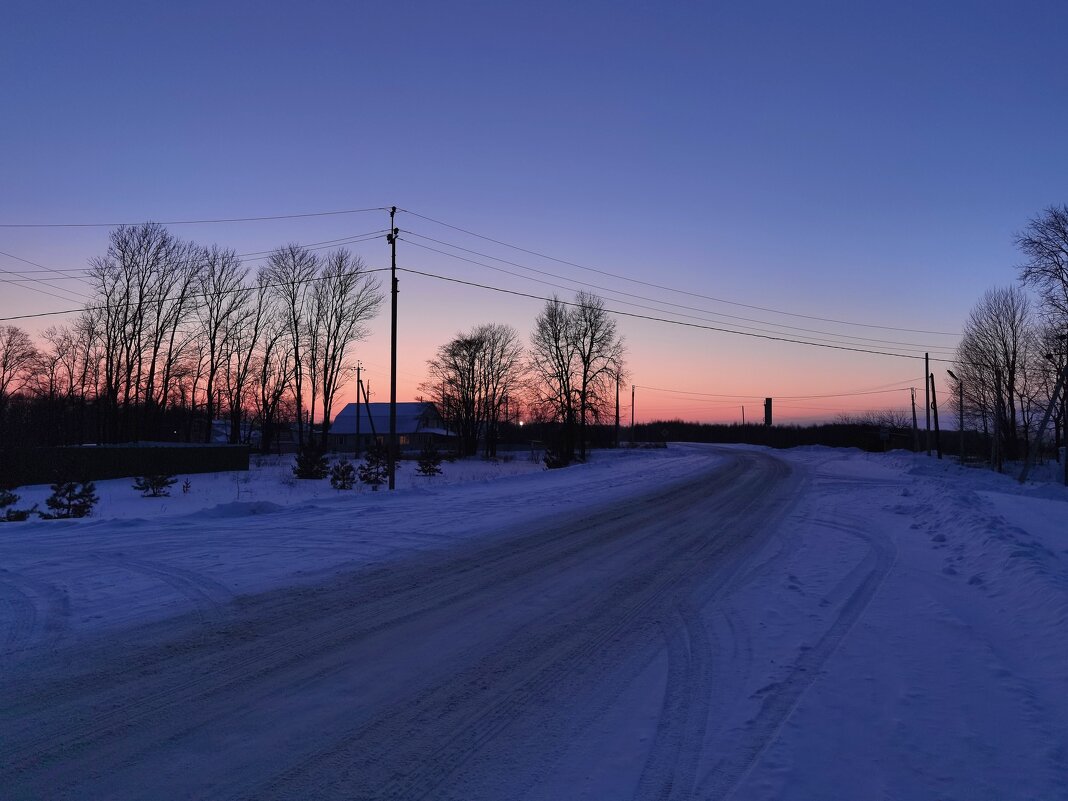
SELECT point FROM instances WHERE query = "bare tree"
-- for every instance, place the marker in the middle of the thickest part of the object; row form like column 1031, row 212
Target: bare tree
column 345, row 298
column 134, row 314
column 992, row 359
column 224, row 301
column 553, row 357
column 501, row 376
column 600, row 355
column 576, row 355
column 471, row 376
column 241, row 347
column 290, row 271
column 17, row 355
column 274, row 379
column 1045, row 244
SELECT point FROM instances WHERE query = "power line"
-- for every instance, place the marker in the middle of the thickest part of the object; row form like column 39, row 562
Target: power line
column 196, row 222
column 672, row 322
column 351, row 239
column 839, row 336
column 325, row 243
column 673, row 289
column 66, row 297
column 252, row 288
column 354, row 239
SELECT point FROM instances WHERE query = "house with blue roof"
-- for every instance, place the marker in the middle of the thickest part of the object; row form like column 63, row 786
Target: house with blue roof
column 417, row 424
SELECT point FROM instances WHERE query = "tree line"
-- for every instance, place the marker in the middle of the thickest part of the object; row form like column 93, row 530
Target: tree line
column 1015, row 342
column 568, row 375
column 176, row 335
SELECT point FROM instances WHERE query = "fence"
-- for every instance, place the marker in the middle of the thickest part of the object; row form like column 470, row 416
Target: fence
column 19, row 466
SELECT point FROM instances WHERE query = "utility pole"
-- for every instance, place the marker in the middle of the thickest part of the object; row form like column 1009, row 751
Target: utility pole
column 391, row 237
column 617, row 410
column 743, row 415
column 934, row 408
column 915, row 427
column 631, row 414
column 927, row 399
column 359, row 383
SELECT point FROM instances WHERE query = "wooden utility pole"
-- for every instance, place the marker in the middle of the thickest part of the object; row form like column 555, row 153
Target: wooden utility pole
column 927, row 399
column 631, row 414
column 934, row 408
column 743, row 415
column 356, row 452
column 915, row 427
column 367, row 408
column 617, row 410
column 392, row 459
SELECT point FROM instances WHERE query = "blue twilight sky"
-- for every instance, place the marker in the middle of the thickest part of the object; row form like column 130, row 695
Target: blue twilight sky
column 856, row 161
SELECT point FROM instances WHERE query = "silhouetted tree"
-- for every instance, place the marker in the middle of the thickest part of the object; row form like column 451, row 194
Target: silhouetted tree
column 17, row 355
column 576, row 355
column 997, row 343
column 1045, row 244
column 222, row 309
column 345, row 298
column 470, row 376
column 290, row 271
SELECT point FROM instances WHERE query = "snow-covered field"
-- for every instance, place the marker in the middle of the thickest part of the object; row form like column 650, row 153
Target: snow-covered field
column 902, row 633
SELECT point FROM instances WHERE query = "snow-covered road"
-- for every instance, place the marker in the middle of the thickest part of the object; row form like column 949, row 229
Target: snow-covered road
column 699, row 623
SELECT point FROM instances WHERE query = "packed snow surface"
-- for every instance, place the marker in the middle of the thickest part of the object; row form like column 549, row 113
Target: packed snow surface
column 691, row 622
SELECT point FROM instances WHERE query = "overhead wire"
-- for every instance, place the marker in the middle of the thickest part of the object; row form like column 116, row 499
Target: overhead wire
column 252, row 288
column 354, row 239
column 839, row 336
column 682, row 323
column 669, row 288
column 263, row 218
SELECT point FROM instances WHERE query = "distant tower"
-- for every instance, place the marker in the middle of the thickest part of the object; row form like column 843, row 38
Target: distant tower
column 767, row 411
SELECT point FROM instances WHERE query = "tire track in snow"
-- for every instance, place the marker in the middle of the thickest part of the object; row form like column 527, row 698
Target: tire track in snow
column 781, row 700
column 671, row 768
column 725, row 652
column 38, row 614
column 207, row 596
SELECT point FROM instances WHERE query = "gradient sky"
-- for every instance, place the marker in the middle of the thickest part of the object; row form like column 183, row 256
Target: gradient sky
column 856, row 161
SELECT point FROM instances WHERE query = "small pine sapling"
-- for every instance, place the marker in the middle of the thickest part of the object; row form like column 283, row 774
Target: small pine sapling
column 186, row 486
column 69, row 499
column 374, row 469
column 429, row 460
column 8, row 499
column 154, row 486
column 342, row 475
column 311, row 463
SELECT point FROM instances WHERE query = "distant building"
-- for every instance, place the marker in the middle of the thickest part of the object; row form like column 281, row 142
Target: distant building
column 417, row 423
